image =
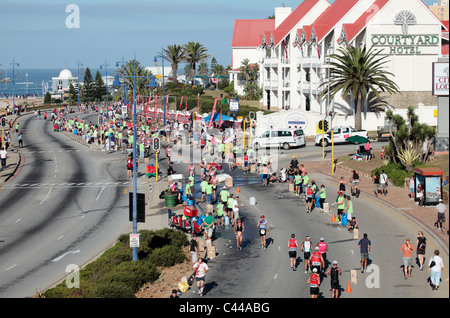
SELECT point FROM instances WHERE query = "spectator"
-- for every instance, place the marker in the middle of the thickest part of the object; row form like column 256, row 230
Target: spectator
column 440, row 215
column 436, row 267
column 407, row 250
column 3, row 156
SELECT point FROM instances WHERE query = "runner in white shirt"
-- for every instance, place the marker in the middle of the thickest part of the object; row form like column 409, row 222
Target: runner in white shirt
column 201, row 269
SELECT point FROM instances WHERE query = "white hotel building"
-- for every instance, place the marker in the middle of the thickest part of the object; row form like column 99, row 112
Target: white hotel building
column 291, row 53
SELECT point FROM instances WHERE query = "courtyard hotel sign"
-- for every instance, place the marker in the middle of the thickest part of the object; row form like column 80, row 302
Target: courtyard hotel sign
column 405, row 43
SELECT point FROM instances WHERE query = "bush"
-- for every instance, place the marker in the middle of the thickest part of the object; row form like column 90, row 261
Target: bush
column 166, row 256
column 115, row 275
column 112, row 290
column 395, row 172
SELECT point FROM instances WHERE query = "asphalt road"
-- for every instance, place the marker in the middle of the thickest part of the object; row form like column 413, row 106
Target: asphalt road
column 257, row 274
column 65, row 206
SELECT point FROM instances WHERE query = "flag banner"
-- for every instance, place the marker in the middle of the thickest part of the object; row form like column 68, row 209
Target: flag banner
column 212, row 114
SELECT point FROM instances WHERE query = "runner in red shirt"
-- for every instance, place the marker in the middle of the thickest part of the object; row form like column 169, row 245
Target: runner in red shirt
column 314, row 283
column 292, row 245
column 316, row 260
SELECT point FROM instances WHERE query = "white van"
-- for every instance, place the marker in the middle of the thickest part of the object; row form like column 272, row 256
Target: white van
column 285, row 138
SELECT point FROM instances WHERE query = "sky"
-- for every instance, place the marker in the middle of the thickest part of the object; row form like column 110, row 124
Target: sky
column 46, row 33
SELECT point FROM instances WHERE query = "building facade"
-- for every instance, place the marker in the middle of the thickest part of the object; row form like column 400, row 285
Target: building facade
column 293, row 51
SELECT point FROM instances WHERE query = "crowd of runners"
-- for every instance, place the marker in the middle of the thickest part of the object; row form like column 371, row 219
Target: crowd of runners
column 223, row 149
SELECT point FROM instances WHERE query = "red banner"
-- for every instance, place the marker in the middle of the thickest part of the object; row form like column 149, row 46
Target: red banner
column 212, row 114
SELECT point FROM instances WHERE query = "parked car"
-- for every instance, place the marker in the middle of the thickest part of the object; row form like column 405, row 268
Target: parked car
column 340, row 134
column 283, row 138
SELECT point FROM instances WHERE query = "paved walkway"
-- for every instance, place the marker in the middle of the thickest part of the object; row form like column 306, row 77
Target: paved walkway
column 396, row 197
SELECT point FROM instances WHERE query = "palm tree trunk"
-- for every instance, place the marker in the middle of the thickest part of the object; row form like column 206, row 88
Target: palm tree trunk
column 174, row 73
column 358, row 105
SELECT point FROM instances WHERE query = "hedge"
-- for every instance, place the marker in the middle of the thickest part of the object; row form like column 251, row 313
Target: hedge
column 115, row 275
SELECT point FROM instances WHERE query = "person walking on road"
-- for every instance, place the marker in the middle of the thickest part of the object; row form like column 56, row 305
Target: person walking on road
column 263, row 231
column 364, row 249
column 440, row 215
column 292, row 245
column 376, row 183
column 201, row 268
column 3, row 156
column 307, row 249
column 314, row 283
column 421, row 246
column 435, row 267
column 407, row 250
column 20, row 139
column 194, row 249
column 323, row 249
column 383, row 182
column 239, row 229
column 334, row 272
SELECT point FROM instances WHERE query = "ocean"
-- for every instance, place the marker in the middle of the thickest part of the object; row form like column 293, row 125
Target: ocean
column 34, row 81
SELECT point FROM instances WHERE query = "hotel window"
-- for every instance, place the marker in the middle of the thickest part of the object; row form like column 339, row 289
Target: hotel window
column 308, row 104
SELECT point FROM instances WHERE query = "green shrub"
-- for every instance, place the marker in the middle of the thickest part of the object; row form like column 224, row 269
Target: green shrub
column 168, row 255
column 112, row 290
column 395, row 172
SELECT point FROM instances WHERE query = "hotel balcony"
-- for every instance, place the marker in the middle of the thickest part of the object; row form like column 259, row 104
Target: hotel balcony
column 271, row 62
column 307, row 62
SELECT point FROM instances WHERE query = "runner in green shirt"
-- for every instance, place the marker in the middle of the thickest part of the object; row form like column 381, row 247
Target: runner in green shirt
column 297, row 182
column 219, row 210
column 341, row 204
column 203, row 185
column 224, row 194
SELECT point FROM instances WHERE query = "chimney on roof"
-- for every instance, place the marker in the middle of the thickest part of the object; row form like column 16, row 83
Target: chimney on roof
column 281, row 13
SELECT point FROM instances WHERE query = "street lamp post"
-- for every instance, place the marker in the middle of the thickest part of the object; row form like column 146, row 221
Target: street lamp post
column 78, row 82
column 164, row 92
column 106, row 69
column 14, row 64
column 135, row 82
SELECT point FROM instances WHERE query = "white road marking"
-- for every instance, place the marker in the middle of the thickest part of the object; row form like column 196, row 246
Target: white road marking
column 98, row 196
column 46, row 196
column 60, row 257
column 11, row 267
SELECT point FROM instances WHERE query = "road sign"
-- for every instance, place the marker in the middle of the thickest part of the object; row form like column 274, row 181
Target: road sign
column 234, row 105
column 134, row 240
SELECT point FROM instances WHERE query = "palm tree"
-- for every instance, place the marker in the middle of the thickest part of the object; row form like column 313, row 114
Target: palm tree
column 357, row 71
column 195, row 53
column 141, row 88
column 174, row 54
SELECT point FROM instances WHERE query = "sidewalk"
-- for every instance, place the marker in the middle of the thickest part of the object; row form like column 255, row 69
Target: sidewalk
column 397, row 197
column 14, row 158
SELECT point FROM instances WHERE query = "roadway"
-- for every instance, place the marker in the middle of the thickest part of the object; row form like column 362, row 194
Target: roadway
column 65, row 205
column 256, row 273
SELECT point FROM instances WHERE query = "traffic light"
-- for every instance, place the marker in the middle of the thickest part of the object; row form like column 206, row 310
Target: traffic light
column 3, row 121
column 325, row 125
column 321, row 125
column 156, row 144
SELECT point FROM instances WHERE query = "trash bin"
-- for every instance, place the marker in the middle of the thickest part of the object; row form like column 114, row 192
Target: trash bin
column 428, row 185
column 344, row 219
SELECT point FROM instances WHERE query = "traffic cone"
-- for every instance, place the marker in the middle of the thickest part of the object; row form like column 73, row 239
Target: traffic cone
column 333, row 218
column 238, row 191
column 349, row 289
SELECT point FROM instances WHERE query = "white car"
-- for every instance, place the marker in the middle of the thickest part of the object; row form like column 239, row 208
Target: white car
column 282, row 138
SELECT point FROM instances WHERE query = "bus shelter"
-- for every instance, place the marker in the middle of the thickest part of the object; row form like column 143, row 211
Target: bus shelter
column 428, row 185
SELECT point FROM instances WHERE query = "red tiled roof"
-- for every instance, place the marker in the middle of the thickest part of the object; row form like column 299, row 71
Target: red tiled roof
column 332, row 16
column 445, row 49
column 291, row 21
column 445, row 24
column 248, row 33
column 353, row 29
